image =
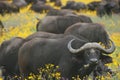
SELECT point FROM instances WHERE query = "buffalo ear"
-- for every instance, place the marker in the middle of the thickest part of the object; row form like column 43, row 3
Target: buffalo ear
column 106, row 59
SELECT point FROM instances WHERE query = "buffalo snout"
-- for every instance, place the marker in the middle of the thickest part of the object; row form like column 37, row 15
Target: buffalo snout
column 94, row 61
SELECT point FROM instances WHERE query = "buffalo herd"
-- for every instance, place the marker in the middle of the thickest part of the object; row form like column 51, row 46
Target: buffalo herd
column 102, row 8
column 73, row 42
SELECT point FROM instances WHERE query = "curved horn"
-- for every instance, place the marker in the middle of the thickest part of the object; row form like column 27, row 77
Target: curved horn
column 111, row 49
column 91, row 45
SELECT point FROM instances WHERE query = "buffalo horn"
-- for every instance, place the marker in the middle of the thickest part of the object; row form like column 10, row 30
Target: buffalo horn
column 91, row 45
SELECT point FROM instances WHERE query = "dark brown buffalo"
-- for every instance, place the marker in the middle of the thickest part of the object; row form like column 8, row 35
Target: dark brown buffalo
column 7, row 8
column 79, row 61
column 62, row 12
column 93, row 5
column 58, row 24
column 94, row 32
column 40, row 7
column 116, row 9
column 68, row 5
column 74, row 5
column 105, row 9
column 58, row 3
column 9, row 56
column 9, row 51
column 19, row 3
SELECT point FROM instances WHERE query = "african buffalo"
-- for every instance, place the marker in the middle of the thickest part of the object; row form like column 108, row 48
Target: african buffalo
column 19, row 3
column 9, row 51
column 62, row 12
column 74, row 5
column 9, row 55
column 58, row 24
column 58, row 3
column 116, row 8
column 7, row 8
column 39, row 7
column 93, row 5
column 105, row 9
column 79, row 61
column 68, row 5
column 93, row 32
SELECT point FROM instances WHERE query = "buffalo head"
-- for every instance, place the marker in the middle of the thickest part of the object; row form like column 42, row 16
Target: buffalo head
column 91, row 52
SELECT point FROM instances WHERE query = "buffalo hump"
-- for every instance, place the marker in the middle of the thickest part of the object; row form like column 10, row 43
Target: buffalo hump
column 93, row 32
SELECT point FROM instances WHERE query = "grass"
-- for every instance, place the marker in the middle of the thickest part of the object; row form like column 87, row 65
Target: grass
column 24, row 24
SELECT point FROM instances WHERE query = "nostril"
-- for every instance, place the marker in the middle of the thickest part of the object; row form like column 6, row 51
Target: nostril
column 94, row 60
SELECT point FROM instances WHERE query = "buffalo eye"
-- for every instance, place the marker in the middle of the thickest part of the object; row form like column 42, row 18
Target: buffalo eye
column 87, row 53
column 97, row 52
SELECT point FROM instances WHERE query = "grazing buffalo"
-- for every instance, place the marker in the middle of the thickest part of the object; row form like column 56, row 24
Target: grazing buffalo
column 9, row 51
column 62, row 12
column 58, row 24
column 93, row 5
column 68, row 4
column 74, row 5
column 19, row 3
column 9, row 56
column 39, row 7
column 105, row 9
column 7, row 8
column 79, row 61
column 58, row 3
column 116, row 9
column 94, row 32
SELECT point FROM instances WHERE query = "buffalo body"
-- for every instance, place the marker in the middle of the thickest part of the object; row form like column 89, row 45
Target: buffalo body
column 9, row 55
column 58, row 24
column 40, row 51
